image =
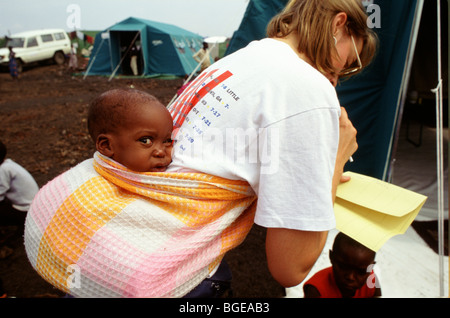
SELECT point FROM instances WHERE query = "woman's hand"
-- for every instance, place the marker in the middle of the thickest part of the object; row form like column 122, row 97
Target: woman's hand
column 347, row 147
column 347, row 138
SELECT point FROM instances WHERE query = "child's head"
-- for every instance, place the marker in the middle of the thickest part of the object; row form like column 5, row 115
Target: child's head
column 351, row 264
column 133, row 128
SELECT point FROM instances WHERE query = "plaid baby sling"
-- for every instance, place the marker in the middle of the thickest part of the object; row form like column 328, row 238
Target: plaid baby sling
column 100, row 230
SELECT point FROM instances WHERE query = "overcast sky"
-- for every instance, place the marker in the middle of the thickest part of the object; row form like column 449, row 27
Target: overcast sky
column 204, row 17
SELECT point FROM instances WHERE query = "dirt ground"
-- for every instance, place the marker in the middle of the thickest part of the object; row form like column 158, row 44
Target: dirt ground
column 43, row 124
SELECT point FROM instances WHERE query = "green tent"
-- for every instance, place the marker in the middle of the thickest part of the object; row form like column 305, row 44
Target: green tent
column 254, row 23
column 163, row 49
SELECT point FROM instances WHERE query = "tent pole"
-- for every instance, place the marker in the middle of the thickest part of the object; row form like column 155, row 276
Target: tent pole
column 190, row 76
column 93, row 60
column 389, row 166
column 123, row 57
column 448, row 139
column 198, row 65
column 439, row 154
column 187, row 80
column 448, row 135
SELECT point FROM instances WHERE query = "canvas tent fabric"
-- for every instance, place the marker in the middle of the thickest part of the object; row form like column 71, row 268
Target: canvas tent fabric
column 254, row 22
column 372, row 99
column 165, row 49
column 375, row 99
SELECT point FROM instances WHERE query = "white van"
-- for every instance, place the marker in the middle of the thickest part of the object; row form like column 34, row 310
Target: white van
column 36, row 46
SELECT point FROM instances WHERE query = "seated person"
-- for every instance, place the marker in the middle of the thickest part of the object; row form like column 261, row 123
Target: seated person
column 350, row 275
column 17, row 190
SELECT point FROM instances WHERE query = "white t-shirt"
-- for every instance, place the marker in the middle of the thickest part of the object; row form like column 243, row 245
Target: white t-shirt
column 264, row 115
column 17, row 184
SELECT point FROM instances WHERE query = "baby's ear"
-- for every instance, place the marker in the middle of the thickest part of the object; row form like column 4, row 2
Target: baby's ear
column 103, row 145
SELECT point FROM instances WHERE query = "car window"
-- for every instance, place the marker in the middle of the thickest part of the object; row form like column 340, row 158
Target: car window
column 47, row 38
column 59, row 36
column 32, row 42
column 15, row 42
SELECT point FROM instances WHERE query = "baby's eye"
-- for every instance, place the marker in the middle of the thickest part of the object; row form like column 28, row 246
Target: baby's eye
column 146, row 140
column 169, row 141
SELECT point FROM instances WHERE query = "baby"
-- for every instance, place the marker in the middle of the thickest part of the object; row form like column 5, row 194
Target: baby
column 118, row 217
column 133, row 128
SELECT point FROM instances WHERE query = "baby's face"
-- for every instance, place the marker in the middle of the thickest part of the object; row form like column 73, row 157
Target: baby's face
column 144, row 144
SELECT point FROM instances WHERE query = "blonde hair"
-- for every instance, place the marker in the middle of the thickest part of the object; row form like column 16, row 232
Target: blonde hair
column 312, row 21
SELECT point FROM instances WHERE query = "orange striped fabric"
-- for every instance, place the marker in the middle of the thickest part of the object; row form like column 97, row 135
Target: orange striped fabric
column 117, row 233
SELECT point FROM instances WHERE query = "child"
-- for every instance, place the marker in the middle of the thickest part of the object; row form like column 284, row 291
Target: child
column 348, row 277
column 133, row 128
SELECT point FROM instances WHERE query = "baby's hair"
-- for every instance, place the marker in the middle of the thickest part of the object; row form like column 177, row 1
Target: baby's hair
column 107, row 111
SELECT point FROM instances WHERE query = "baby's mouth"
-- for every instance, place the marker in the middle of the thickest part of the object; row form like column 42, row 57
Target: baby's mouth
column 159, row 168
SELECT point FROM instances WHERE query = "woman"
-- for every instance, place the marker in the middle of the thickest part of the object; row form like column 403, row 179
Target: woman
column 263, row 122
column 268, row 114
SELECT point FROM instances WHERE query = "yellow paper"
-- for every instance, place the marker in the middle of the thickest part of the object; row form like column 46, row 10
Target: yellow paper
column 371, row 211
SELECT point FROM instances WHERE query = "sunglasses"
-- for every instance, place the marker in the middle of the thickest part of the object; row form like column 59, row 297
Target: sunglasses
column 352, row 70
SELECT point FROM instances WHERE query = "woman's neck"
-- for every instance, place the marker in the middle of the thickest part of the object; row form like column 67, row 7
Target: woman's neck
column 292, row 40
